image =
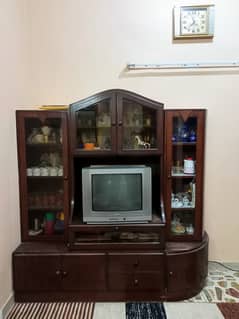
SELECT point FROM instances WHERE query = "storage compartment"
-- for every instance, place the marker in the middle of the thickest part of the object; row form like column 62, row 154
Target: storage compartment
column 136, row 271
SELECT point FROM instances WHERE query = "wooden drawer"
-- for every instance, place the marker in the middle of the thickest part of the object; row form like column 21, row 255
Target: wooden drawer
column 136, row 281
column 127, row 263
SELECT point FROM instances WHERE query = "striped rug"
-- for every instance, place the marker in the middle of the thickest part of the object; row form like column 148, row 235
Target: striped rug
column 54, row 310
column 145, row 310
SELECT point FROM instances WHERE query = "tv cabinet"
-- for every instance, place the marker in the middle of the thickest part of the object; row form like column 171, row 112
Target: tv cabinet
column 165, row 259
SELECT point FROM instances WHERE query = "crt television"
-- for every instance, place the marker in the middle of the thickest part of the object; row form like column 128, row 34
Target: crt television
column 116, row 194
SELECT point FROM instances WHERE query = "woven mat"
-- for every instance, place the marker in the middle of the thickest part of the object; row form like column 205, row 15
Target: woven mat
column 145, row 310
column 54, row 310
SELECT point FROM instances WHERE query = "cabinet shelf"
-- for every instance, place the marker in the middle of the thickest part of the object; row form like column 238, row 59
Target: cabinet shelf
column 184, row 143
column 93, row 127
column 54, row 209
column 52, row 237
column 45, row 177
column 183, row 175
column 189, row 209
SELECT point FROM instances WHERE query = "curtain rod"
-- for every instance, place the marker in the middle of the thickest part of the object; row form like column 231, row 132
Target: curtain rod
column 206, row 65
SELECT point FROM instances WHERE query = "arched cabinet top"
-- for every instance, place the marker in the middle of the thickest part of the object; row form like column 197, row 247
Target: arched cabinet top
column 116, row 122
column 115, row 92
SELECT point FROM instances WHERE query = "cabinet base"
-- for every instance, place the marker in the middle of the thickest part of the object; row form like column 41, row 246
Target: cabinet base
column 55, row 274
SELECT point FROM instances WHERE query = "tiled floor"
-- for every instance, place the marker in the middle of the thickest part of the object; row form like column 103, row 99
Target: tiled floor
column 176, row 310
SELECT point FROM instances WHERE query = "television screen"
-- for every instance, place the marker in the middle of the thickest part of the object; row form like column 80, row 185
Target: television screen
column 116, row 192
column 113, row 193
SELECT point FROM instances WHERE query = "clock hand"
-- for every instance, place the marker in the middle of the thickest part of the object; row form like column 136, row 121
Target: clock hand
column 193, row 22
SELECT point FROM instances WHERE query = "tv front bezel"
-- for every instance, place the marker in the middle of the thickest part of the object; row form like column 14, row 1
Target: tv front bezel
column 112, row 217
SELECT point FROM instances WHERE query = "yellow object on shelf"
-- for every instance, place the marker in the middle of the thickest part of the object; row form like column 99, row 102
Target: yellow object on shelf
column 53, row 107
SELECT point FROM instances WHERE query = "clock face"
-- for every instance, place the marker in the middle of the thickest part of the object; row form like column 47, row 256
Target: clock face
column 194, row 21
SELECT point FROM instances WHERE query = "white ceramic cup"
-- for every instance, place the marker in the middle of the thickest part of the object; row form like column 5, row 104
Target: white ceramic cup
column 60, row 171
column 36, row 171
column 44, row 171
column 29, row 171
column 53, row 171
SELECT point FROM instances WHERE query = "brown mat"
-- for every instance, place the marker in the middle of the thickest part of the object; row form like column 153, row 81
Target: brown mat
column 229, row 310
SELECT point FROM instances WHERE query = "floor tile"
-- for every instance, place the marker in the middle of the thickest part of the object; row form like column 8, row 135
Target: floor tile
column 180, row 310
column 109, row 310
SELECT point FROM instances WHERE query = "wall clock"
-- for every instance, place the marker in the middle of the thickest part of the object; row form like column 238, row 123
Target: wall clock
column 194, row 22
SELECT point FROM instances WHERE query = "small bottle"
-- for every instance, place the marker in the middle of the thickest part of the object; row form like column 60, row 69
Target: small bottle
column 49, row 223
column 190, row 229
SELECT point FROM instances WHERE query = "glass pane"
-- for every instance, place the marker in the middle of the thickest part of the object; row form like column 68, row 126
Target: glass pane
column 44, row 176
column 183, row 171
column 182, row 223
column 139, row 126
column 94, row 127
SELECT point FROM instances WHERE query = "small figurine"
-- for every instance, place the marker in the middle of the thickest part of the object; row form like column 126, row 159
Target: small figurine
column 140, row 142
column 176, row 226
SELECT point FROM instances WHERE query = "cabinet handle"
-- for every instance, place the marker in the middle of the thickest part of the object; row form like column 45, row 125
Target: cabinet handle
column 116, row 228
column 170, row 273
column 120, row 123
column 65, row 273
column 136, row 282
column 58, row 272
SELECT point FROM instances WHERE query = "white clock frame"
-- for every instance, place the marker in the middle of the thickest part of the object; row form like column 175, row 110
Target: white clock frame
column 177, row 16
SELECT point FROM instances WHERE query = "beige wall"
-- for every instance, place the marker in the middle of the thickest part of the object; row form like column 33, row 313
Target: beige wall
column 13, row 81
column 80, row 47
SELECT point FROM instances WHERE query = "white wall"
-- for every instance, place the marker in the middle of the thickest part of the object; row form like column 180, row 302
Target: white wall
column 13, row 84
column 80, row 47
column 70, row 49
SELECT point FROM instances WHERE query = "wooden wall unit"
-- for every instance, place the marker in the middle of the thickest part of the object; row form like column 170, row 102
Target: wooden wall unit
column 138, row 261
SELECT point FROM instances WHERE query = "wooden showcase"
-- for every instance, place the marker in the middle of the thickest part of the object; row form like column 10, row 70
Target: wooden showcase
column 62, row 257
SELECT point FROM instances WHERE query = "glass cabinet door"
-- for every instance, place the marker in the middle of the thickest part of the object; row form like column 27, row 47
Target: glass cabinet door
column 43, row 174
column 94, row 125
column 140, row 125
column 184, row 167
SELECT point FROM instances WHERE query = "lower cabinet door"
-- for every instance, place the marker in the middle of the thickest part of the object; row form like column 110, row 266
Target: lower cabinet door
column 136, row 272
column 36, row 273
column 84, row 272
column 187, row 272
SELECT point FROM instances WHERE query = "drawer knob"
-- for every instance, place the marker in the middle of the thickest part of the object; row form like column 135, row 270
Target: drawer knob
column 58, row 272
column 136, row 282
column 170, row 273
column 65, row 273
